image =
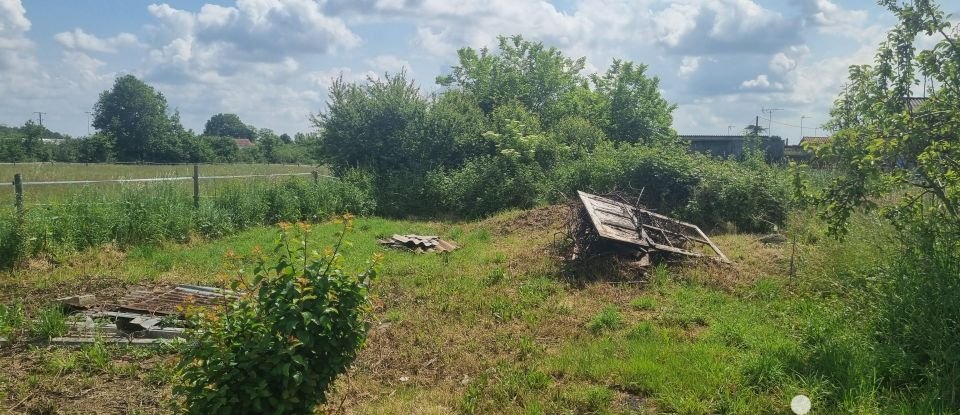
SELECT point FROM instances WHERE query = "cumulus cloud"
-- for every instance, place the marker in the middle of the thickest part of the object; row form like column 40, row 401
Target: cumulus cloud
column 723, row 26
column 81, row 40
column 688, row 65
column 761, row 82
column 389, row 63
column 217, row 39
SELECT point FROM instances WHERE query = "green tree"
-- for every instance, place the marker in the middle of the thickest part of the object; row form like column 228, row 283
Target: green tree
column 883, row 142
column 228, row 125
column 224, row 149
column 520, row 70
column 134, row 114
column 906, row 152
column 633, row 110
column 376, row 125
column 31, row 138
column 96, row 148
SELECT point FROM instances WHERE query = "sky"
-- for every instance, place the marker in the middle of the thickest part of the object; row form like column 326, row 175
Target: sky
column 271, row 61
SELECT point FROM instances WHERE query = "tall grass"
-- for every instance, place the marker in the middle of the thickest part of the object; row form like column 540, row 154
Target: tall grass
column 150, row 214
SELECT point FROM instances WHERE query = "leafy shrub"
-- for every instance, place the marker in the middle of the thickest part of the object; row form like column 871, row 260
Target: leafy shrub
column 484, row 186
column 277, row 349
column 920, row 313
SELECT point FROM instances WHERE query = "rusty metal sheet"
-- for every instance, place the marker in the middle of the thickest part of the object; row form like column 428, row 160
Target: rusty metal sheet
column 164, row 301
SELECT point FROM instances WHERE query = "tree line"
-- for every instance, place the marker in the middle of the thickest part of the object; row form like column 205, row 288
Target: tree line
column 133, row 124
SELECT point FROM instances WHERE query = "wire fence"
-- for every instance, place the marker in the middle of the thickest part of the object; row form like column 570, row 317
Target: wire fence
column 18, row 182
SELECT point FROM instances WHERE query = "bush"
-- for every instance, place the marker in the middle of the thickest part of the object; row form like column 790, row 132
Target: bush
column 483, row 186
column 277, row 349
column 920, row 313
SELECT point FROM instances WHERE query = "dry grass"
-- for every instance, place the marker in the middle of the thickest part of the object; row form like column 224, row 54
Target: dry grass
column 496, row 327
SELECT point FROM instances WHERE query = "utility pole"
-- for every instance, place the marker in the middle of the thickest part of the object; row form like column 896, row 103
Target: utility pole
column 729, row 127
column 40, row 115
column 770, row 111
column 756, row 126
column 88, row 123
column 801, row 125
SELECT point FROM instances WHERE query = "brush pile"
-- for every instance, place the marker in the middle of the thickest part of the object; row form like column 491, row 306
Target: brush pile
column 615, row 225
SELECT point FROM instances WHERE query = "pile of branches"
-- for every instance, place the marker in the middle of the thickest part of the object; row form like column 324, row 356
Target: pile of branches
column 584, row 243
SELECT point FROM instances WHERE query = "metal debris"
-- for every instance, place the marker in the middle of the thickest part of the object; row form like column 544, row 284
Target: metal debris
column 600, row 226
column 418, row 243
column 166, row 301
column 144, row 316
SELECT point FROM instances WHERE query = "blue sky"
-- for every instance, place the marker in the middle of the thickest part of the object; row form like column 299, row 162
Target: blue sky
column 270, row 61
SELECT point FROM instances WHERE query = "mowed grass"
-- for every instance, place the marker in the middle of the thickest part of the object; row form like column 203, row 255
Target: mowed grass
column 498, row 326
column 38, row 172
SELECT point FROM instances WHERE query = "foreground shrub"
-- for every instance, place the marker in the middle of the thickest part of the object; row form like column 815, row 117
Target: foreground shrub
column 920, row 313
column 277, row 349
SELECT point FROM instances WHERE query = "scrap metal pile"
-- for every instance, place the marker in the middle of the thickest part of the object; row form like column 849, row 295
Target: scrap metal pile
column 143, row 316
column 418, row 244
column 601, row 226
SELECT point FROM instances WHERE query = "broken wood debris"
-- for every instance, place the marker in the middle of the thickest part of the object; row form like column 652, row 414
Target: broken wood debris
column 418, row 243
column 142, row 317
column 600, row 226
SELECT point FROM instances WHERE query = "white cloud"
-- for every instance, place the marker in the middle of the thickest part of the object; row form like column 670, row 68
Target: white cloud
column 723, row 26
column 688, row 65
column 219, row 37
column 761, row 82
column 390, row 64
column 80, row 40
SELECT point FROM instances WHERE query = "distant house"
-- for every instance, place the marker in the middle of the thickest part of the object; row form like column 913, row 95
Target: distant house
column 732, row 145
column 813, row 142
column 244, row 142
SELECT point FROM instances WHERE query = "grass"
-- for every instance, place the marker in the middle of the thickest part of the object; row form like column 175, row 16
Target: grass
column 499, row 327
column 40, row 194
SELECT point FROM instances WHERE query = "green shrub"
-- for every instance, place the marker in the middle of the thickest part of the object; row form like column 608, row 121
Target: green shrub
column 277, row 349
column 485, row 185
column 920, row 313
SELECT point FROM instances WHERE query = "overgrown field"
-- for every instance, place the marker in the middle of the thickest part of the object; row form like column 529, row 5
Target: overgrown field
column 38, row 172
column 501, row 327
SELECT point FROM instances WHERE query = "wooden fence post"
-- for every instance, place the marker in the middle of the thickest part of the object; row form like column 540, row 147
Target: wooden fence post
column 316, row 177
column 18, row 187
column 196, row 186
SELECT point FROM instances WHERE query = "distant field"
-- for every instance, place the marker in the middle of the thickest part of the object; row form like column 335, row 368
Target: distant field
column 36, row 172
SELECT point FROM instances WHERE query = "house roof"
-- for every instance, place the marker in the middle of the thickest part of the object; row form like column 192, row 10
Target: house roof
column 244, row 142
column 814, row 140
column 697, row 137
column 913, row 103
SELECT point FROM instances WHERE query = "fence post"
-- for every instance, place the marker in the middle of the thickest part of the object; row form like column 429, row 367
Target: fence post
column 18, row 187
column 316, row 177
column 196, row 186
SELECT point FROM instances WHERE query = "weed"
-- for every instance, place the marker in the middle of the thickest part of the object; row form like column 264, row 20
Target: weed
column 50, row 323
column 644, row 303
column 608, row 319
column 11, row 320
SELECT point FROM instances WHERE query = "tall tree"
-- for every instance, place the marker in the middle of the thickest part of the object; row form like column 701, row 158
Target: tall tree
column 633, row 109
column 228, row 125
column 520, row 70
column 883, row 139
column 376, row 125
column 133, row 114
